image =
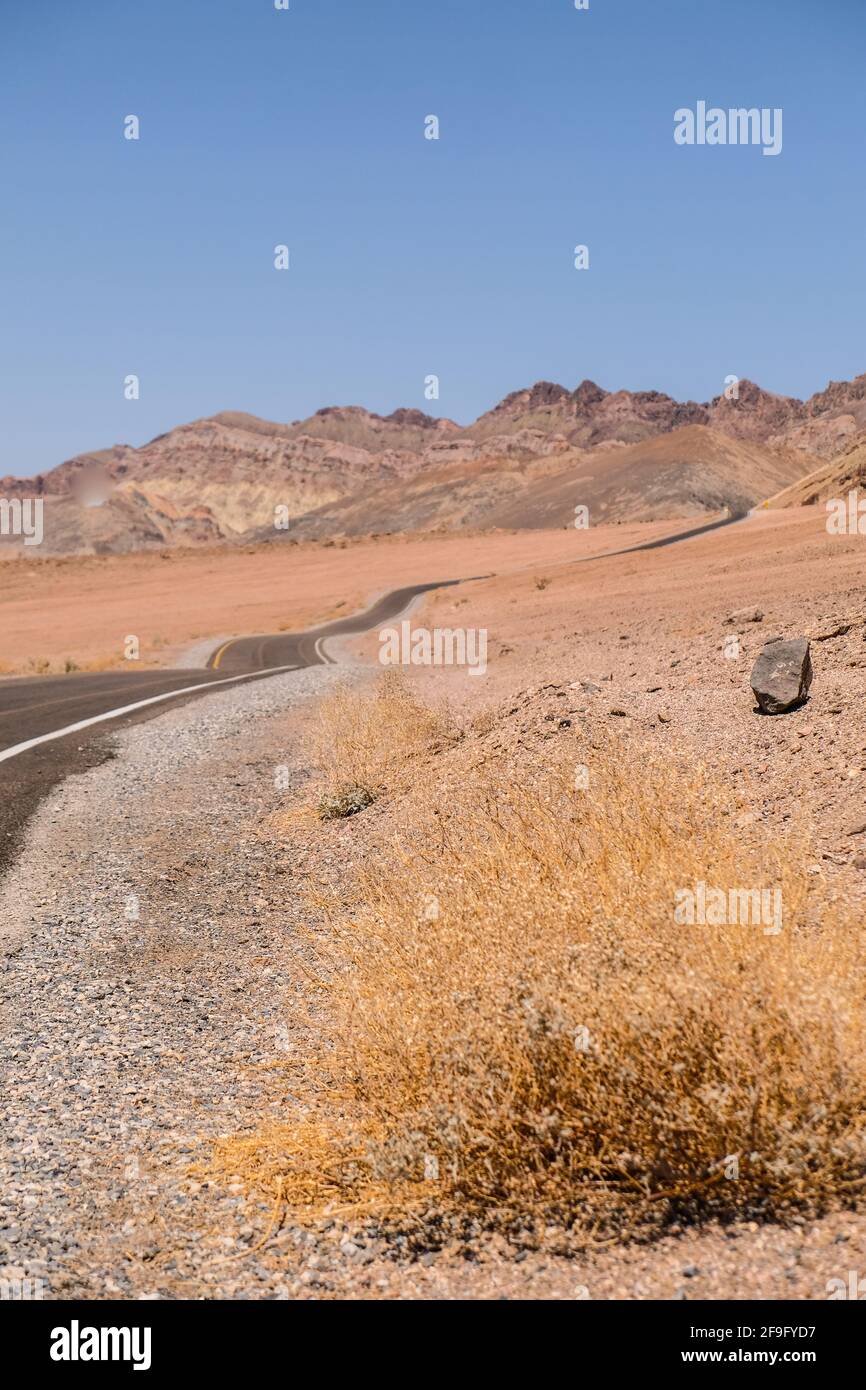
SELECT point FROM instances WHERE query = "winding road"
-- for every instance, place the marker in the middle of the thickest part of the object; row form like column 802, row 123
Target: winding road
column 53, row 726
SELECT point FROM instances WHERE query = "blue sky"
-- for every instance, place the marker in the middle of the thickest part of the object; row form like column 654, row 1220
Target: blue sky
column 411, row 257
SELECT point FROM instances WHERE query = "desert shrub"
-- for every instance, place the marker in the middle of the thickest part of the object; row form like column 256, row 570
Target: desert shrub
column 366, row 742
column 514, row 1022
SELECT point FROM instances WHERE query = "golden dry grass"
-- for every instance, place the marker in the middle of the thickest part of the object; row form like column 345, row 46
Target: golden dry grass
column 369, row 741
column 43, row 666
column 513, row 1024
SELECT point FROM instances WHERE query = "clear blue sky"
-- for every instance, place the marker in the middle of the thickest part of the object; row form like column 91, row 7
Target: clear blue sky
column 409, row 256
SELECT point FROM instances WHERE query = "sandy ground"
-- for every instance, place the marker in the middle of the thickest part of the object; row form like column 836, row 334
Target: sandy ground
column 651, row 630
column 549, row 614
column 82, row 609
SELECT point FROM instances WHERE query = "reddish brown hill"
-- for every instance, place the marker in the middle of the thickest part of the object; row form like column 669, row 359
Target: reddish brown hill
column 225, row 475
column 754, row 414
column 589, row 415
column 685, row 473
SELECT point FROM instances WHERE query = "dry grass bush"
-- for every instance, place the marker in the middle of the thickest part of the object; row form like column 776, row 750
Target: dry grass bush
column 514, row 1024
column 44, row 666
column 366, row 743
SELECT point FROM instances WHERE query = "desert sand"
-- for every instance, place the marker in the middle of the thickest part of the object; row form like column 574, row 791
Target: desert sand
column 81, row 608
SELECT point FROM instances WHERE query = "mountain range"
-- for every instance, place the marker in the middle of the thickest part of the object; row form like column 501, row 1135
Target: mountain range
column 345, row 471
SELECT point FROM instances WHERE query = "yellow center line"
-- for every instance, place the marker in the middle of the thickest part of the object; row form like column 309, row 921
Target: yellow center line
column 219, row 656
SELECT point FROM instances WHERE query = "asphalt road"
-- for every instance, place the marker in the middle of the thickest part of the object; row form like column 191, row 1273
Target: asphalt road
column 41, row 707
column 729, row 520
column 304, row 648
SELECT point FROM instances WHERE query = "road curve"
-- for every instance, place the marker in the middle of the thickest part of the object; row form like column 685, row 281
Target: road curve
column 53, row 726
column 304, row 648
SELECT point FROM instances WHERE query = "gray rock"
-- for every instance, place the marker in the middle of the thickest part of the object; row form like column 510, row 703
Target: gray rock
column 782, row 675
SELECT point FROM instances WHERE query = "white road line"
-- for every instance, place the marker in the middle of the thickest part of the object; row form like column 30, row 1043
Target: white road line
column 139, row 704
column 320, row 651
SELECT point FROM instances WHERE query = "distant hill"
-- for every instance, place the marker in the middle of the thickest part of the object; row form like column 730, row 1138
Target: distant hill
column 692, row 470
column 526, row 463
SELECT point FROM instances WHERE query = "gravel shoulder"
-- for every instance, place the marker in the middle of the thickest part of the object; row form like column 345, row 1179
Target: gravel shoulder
column 143, row 997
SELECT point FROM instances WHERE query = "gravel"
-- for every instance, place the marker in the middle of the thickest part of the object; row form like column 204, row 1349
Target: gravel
column 141, row 991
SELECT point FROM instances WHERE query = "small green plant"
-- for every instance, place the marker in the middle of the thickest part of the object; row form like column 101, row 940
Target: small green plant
column 348, row 802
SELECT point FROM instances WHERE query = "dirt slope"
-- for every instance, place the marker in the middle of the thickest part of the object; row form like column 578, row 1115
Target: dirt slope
column 833, row 479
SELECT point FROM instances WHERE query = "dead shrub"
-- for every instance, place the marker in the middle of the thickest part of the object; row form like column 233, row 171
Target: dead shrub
column 364, row 744
column 514, row 1022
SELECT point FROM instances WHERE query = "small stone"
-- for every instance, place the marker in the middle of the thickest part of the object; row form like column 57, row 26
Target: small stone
column 746, row 615
column 819, row 634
